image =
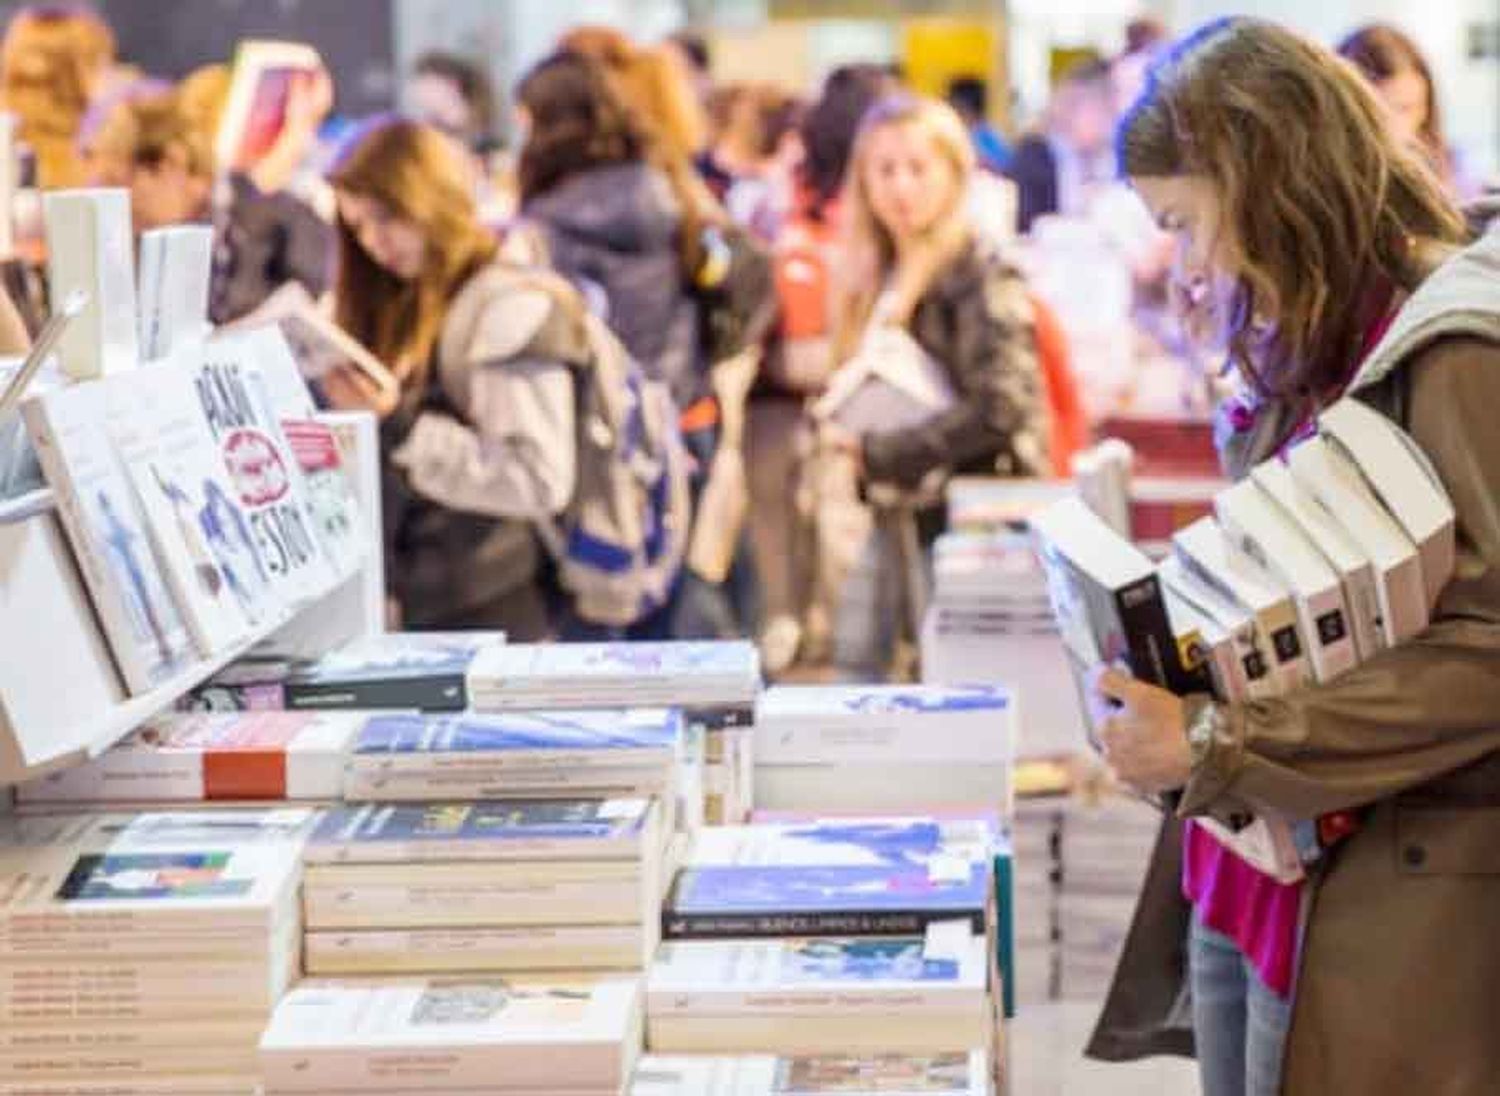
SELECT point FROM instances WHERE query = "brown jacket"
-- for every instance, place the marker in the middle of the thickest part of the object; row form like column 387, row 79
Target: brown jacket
column 1399, row 977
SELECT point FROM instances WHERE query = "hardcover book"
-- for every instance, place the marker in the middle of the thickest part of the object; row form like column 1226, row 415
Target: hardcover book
column 90, row 247
column 423, row 670
column 107, row 526
column 583, row 829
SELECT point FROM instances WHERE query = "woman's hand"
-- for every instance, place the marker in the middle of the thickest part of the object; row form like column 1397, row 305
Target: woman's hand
column 845, row 442
column 348, row 389
column 1143, row 733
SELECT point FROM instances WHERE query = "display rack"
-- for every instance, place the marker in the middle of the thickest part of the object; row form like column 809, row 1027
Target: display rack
column 61, row 697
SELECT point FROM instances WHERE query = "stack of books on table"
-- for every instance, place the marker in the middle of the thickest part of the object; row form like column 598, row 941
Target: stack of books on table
column 783, row 931
column 189, row 758
column 990, row 620
column 511, row 887
column 885, row 747
column 883, row 1074
column 145, row 951
column 714, row 685
column 454, row 1036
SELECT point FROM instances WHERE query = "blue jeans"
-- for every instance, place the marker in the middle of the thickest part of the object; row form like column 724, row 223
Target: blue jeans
column 1239, row 1025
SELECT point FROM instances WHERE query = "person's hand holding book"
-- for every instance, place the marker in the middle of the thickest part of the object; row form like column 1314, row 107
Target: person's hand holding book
column 1144, row 733
column 349, row 389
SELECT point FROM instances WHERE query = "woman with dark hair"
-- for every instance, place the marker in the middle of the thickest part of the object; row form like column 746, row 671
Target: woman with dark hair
column 1394, row 64
column 609, row 220
column 1332, row 266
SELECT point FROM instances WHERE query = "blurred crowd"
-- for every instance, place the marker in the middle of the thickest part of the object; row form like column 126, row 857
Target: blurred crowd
column 744, row 244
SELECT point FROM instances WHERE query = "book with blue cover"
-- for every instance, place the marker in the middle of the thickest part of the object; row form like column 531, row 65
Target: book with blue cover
column 581, row 829
column 839, row 900
column 607, row 737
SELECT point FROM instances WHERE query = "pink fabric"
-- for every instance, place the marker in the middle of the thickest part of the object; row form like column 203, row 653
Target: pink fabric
column 1255, row 911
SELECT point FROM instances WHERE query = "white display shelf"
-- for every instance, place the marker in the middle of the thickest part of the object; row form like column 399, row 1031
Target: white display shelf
column 61, row 697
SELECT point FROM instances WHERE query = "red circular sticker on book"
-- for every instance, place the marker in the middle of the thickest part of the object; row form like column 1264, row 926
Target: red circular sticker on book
column 255, row 468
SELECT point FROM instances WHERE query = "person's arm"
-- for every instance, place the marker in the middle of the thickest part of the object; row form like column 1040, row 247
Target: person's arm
column 518, row 461
column 994, row 352
column 15, row 341
column 1412, row 713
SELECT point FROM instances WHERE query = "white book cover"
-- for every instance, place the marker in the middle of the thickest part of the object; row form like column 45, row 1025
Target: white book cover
column 1103, row 476
column 467, row 1035
column 937, row 844
column 124, row 573
column 590, row 674
column 1204, row 551
column 467, row 950
column 1339, row 487
column 1356, row 573
column 219, row 756
column 893, row 723
column 229, row 376
column 842, row 975
column 953, row 1074
column 215, row 565
column 1272, row 547
column 1404, row 480
column 1205, row 640
column 176, row 266
column 90, row 247
column 1252, row 649
column 890, row 384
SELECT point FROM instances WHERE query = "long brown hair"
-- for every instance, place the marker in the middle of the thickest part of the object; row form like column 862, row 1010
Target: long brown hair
column 1320, row 204
column 51, row 61
column 1380, row 51
column 577, row 123
column 664, row 108
column 869, row 258
column 418, row 174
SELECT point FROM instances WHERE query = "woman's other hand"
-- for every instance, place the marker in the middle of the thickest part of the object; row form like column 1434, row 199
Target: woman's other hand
column 348, row 389
column 1143, row 733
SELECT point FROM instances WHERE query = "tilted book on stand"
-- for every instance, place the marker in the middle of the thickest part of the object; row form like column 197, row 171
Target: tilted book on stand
column 1107, row 598
column 176, row 266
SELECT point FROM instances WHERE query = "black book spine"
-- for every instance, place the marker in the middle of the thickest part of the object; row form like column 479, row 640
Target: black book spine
column 1153, row 654
column 726, row 926
column 438, row 693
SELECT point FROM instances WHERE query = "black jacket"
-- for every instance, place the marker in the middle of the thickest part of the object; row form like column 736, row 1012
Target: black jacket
column 1034, row 171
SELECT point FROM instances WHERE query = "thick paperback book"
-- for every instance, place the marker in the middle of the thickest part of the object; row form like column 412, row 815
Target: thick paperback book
column 893, row 723
column 472, row 1035
column 582, row 829
column 587, row 675
column 953, row 1074
column 228, row 756
column 1107, row 598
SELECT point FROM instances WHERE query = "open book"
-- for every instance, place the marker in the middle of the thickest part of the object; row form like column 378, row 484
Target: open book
column 320, row 345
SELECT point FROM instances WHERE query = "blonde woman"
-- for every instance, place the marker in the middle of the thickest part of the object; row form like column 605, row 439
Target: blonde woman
column 923, row 284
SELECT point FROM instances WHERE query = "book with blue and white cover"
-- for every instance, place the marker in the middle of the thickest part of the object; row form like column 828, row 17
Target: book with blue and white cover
column 572, row 829
column 470, row 741
column 899, row 724
column 869, row 877
column 588, row 675
column 727, row 977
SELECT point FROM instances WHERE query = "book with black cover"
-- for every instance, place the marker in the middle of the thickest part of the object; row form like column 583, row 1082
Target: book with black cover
column 1108, row 601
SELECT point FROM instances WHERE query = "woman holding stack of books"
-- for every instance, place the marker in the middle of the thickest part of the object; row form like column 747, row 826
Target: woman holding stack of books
column 1329, row 260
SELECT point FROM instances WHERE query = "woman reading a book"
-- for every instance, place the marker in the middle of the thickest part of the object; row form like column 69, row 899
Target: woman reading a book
column 479, row 439
column 1329, row 261
column 932, row 299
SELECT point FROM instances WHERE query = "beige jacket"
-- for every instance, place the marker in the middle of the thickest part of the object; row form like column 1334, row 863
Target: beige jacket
column 1399, row 978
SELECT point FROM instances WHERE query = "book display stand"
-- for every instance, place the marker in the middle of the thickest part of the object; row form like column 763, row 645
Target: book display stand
column 61, row 697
